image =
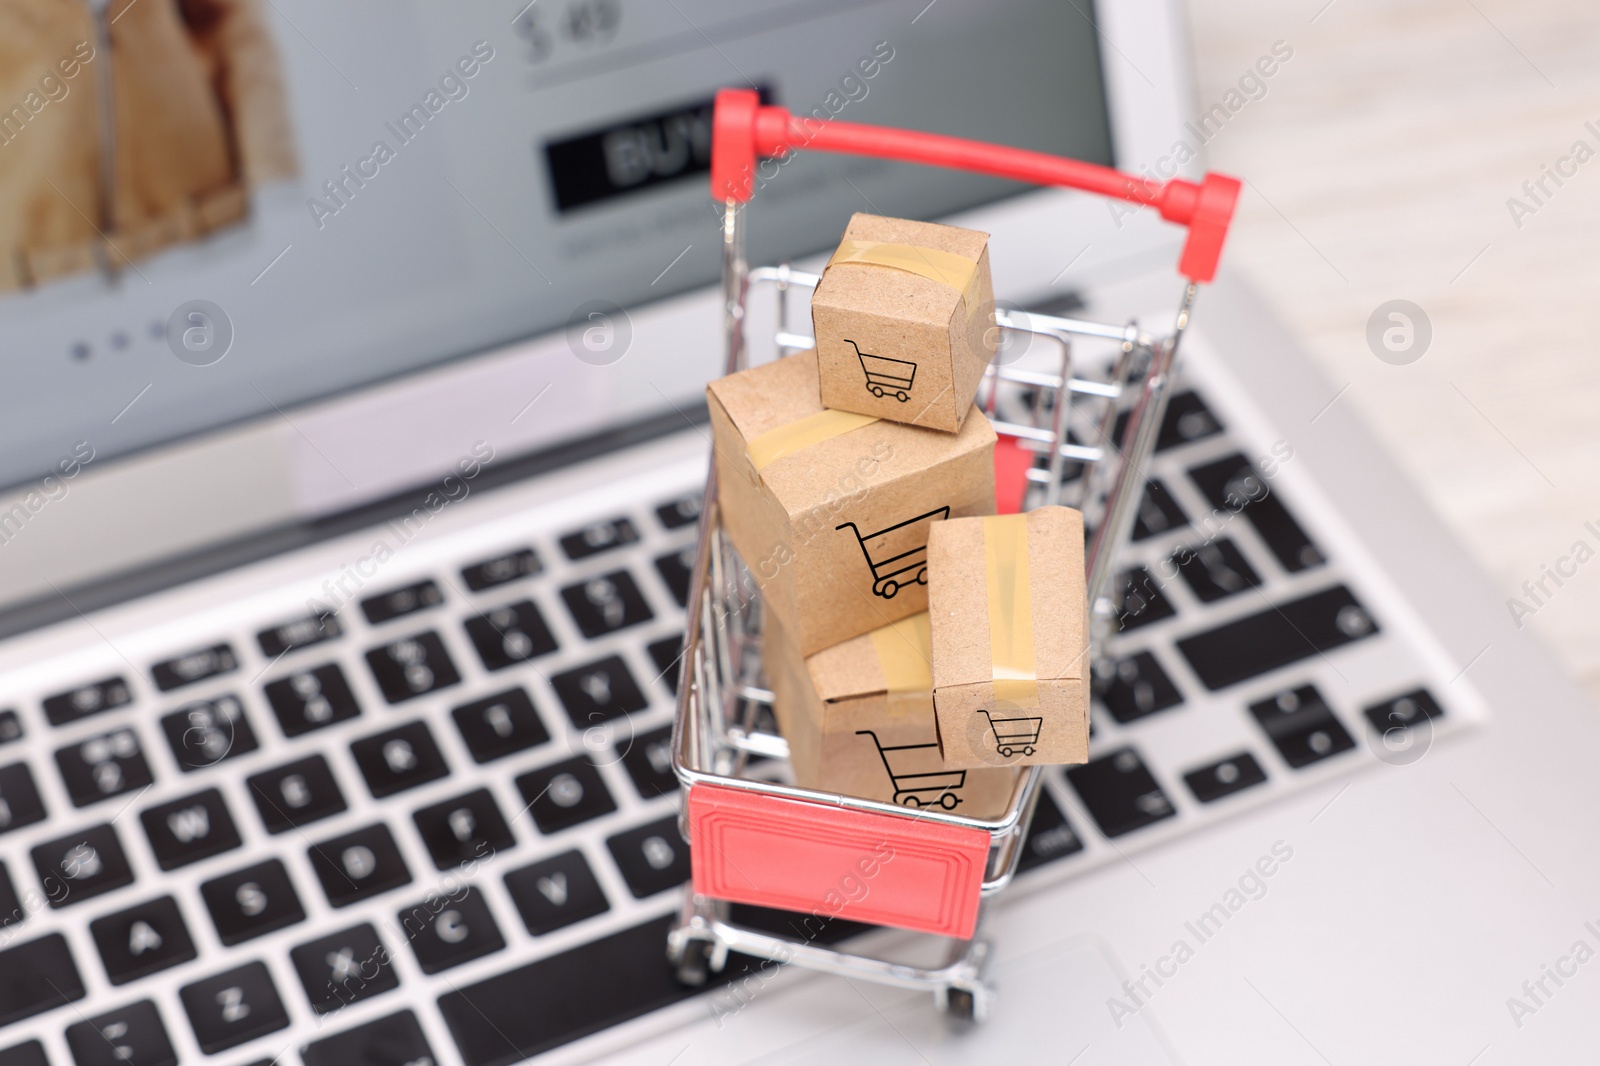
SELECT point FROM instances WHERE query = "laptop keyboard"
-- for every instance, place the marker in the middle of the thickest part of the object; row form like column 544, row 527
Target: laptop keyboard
column 375, row 817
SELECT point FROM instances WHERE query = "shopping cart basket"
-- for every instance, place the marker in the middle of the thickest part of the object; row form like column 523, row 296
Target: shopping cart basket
column 1013, row 735
column 757, row 840
column 886, row 376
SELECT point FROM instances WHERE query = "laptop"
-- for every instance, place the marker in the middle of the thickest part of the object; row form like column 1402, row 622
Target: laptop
column 355, row 440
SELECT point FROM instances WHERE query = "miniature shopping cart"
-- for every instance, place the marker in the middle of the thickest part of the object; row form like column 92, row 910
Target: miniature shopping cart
column 758, row 840
column 1014, row 735
column 898, row 555
column 886, row 376
column 916, row 785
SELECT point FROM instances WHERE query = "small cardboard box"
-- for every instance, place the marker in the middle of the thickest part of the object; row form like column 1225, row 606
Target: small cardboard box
column 831, row 511
column 903, row 319
column 859, row 720
column 1009, row 614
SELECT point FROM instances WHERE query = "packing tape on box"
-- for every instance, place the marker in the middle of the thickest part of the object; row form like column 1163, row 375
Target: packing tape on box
column 903, row 649
column 946, row 268
column 767, row 448
column 1005, row 551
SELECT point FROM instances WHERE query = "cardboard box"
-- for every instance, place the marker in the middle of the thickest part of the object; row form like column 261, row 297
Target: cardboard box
column 903, row 319
column 1009, row 615
column 859, row 720
column 831, row 511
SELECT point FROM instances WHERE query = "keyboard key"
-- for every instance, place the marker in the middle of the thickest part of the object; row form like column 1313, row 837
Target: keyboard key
column 393, row 1041
column 598, row 692
column 252, row 902
column 359, row 865
column 412, row 667
column 86, row 700
column 1233, row 485
column 29, row 1054
column 649, row 763
column 1402, row 712
column 142, row 940
column 399, row 758
column 36, row 977
column 11, row 909
column 1277, row 637
column 1187, row 419
column 1120, row 792
column 196, row 666
column 606, row 604
column 463, row 829
column 10, row 730
column 400, row 602
column 1158, row 512
column 1216, row 570
column 652, row 858
column 501, row 569
column 668, row 656
column 205, row 733
column 1139, row 687
column 312, row 699
column 556, row 892
column 189, row 829
column 296, row 794
column 510, row 635
column 677, row 570
column 1142, row 601
column 81, row 866
column 1049, row 838
column 20, row 804
column 446, row 931
column 103, row 766
column 1302, row 726
column 233, row 1008
column 130, row 1036
column 684, row 511
column 346, row 967
column 1225, row 777
column 301, row 633
column 565, row 794
column 599, row 537
column 499, row 725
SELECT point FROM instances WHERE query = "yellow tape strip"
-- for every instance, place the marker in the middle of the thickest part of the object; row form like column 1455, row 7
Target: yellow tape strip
column 1005, row 551
column 903, row 649
column 774, row 444
column 947, row 268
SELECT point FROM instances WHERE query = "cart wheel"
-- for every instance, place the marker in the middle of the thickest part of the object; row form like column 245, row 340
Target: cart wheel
column 889, row 589
column 694, row 966
column 922, row 576
column 902, row 397
column 961, row 1005
column 1027, row 751
column 875, row 391
column 911, row 801
column 949, row 800
column 1007, row 752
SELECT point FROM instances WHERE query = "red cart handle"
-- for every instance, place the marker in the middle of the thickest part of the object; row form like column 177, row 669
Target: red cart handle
column 745, row 130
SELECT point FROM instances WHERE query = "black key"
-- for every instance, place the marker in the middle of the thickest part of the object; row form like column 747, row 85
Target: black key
column 606, row 604
column 1225, row 777
column 501, row 570
column 1233, row 485
column 233, row 1008
column 652, row 858
column 1050, row 836
column 599, row 537
column 82, row 866
column 598, row 692
column 252, row 902
column 103, row 766
column 1277, row 637
column 1216, row 570
column 190, row 829
column 510, row 635
column 399, row 758
column 1138, row 687
column 1187, row 419
column 684, row 511
column 195, row 666
column 1403, row 712
column 668, row 657
column 447, row 931
column 11, row 909
column 359, row 865
column 300, row 633
column 649, row 762
column 565, row 794
column 86, row 700
column 36, row 977
column 1158, row 512
column 296, row 794
column 346, row 967
column 29, row 1054
column 463, row 829
column 131, row 1036
column 393, row 1041
column 312, row 699
column 677, row 570
column 556, row 892
column 400, row 602
column 499, row 725
column 142, row 940
column 1119, row 792
column 20, row 804
column 412, row 667
column 1302, row 726
column 204, row 733
column 10, row 727
column 1142, row 601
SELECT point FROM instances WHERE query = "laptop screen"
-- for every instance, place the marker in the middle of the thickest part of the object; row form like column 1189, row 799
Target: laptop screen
column 216, row 211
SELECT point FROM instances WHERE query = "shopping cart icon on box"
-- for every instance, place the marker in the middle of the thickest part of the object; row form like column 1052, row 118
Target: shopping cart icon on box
column 1013, row 736
column 898, row 555
column 921, row 780
column 885, row 376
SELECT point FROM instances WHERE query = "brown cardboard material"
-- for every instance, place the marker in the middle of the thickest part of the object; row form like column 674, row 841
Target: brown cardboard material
column 835, row 533
column 848, row 732
column 899, row 345
column 991, row 711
